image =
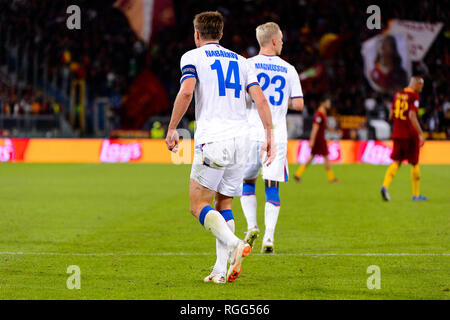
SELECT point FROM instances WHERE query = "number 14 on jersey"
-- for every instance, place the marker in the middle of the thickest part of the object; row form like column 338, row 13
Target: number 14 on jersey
column 232, row 73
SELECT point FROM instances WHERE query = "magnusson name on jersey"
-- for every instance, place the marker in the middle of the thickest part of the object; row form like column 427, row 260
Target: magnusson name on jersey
column 271, row 67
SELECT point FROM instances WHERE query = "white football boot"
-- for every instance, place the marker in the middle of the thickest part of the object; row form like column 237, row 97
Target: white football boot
column 215, row 278
column 242, row 250
column 267, row 245
column 251, row 236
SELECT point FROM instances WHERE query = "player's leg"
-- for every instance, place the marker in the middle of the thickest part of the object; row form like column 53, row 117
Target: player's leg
column 271, row 212
column 249, row 204
column 200, row 199
column 248, row 198
column 415, row 182
column 397, row 156
column 413, row 159
column 218, row 274
column 231, row 186
column 330, row 173
column 214, row 222
column 390, row 173
column 274, row 174
column 249, row 207
column 301, row 169
column 388, row 177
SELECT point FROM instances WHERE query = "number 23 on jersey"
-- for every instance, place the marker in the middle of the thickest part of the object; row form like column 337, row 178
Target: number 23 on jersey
column 278, row 81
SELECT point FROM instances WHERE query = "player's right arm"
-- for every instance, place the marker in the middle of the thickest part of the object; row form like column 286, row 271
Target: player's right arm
column 391, row 112
column 412, row 115
column 180, row 106
column 262, row 106
column 184, row 97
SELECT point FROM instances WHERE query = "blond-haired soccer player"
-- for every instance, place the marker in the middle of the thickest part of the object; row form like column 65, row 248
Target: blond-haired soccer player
column 407, row 136
column 281, row 86
column 219, row 77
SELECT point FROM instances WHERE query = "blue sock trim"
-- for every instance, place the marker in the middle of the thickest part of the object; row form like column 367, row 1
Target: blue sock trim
column 227, row 214
column 203, row 213
column 248, row 189
column 273, row 196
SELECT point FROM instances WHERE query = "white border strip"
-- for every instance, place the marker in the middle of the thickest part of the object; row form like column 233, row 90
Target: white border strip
column 212, row 253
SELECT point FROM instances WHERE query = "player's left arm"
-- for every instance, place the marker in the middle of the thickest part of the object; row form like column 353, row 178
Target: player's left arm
column 180, row 106
column 296, row 93
column 412, row 115
column 296, row 104
column 312, row 139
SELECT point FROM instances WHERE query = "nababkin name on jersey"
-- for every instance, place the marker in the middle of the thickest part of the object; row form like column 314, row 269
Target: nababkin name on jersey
column 221, row 53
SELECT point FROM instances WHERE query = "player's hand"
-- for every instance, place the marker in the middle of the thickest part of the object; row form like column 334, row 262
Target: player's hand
column 269, row 150
column 311, row 143
column 172, row 140
column 421, row 139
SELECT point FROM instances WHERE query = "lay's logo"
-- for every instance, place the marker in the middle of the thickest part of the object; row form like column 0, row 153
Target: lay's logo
column 374, row 152
column 116, row 151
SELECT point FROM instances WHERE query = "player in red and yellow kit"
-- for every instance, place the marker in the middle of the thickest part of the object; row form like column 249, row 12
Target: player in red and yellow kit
column 407, row 136
column 318, row 143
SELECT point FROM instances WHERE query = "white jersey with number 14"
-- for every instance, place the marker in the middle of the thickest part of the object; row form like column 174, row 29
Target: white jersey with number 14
column 222, row 77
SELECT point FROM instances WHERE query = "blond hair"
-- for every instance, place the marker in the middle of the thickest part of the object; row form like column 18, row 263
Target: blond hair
column 266, row 31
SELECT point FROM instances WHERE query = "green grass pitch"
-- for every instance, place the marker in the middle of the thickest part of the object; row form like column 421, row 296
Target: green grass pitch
column 129, row 230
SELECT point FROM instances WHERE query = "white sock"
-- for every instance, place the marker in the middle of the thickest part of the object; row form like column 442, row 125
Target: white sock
column 270, row 219
column 222, row 252
column 216, row 224
column 249, row 206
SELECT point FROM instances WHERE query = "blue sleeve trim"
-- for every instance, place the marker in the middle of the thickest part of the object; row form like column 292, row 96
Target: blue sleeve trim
column 187, row 77
column 297, row 97
column 252, row 84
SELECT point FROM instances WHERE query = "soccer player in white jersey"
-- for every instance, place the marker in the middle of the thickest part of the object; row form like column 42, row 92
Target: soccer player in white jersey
column 281, row 86
column 220, row 78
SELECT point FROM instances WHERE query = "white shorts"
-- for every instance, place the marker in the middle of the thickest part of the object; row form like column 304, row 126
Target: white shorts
column 277, row 171
column 219, row 166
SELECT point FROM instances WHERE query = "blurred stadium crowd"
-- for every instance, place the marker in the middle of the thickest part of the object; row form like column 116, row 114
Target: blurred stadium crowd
column 321, row 37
